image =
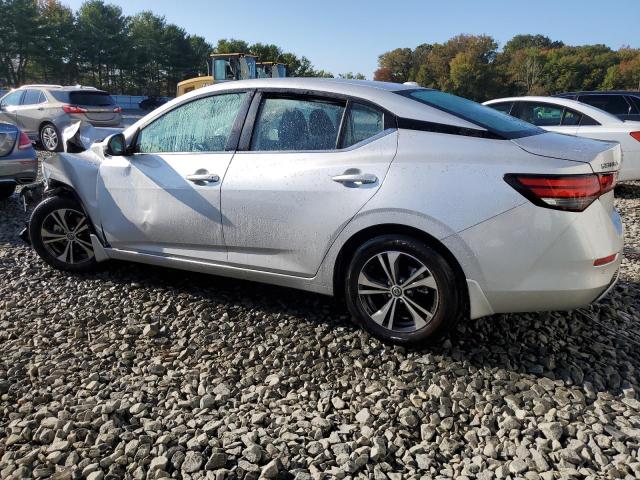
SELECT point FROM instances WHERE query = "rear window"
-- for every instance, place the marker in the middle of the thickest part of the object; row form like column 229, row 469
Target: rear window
column 494, row 121
column 88, row 99
column 615, row 104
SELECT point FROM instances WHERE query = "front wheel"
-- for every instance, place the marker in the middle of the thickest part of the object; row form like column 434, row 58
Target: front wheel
column 60, row 232
column 6, row 191
column 402, row 290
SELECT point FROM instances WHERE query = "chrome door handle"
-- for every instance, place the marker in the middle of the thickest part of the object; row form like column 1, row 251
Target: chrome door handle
column 355, row 178
column 203, row 177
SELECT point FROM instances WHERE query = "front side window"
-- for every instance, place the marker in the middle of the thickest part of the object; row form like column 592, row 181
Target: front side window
column 540, row 114
column 202, row 125
column 31, row 97
column 615, row 104
column 297, row 124
column 495, row 122
column 362, row 122
column 13, row 98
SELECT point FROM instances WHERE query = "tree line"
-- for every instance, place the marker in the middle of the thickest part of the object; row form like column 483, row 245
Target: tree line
column 43, row 41
column 472, row 66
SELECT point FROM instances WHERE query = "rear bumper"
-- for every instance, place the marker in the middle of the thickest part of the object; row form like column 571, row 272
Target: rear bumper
column 536, row 259
column 19, row 170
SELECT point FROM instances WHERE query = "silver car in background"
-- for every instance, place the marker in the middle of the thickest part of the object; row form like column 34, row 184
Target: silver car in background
column 44, row 111
column 18, row 162
column 416, row 206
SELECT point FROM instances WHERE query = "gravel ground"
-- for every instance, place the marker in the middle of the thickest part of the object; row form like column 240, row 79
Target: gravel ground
column 140, row 372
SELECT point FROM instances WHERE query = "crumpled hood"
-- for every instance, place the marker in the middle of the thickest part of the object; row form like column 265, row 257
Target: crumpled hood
column 602, row 156
column 79, row 136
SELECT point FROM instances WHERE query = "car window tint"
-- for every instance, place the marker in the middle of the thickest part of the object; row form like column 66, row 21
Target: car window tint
column 42, row 98
column 587, row 121
column 297, row 124
column 31, row 97
column 615, row 104
column 13, row 98
column 571, row 118
column 202, row 125
column 540, row 114
column 636, row 103
column 362, row 122
column 91, row 99
column 504, row 107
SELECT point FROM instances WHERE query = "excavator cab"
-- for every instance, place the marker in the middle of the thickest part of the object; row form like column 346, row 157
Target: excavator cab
column 232, row 66
column 271, row 70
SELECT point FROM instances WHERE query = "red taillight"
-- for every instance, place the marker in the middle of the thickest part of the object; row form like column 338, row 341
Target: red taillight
column 73, row 109
column 635, row 135
column 604, row 260
column 117, row 110
column 24, row 142
column 573, row 193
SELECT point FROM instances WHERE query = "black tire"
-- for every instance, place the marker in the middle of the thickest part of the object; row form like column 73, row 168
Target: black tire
column 443, row 300
column 47, row 227
column 6, row 191
column 46, row 130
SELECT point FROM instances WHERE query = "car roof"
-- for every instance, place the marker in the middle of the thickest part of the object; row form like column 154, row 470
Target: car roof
column 62, row 88
column 601, row 92
column 596, row 113
column 380, row 93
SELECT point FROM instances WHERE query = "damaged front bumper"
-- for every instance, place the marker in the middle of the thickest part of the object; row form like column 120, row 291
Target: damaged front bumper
column 31, row 196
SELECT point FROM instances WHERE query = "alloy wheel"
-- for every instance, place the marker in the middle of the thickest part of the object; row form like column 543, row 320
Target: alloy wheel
column 65, row 235
column 398, row 291
column 49, row 138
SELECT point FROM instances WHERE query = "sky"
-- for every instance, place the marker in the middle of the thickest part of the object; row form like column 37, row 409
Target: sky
column 348, row 35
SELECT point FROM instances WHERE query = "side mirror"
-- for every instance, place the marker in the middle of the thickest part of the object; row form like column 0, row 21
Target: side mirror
column 116, row 145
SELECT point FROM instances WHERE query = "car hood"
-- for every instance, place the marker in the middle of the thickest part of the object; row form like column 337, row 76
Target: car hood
column 602, row 156
column 79, row 136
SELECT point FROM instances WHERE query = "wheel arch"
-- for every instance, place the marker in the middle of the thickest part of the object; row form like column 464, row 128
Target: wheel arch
column 358, row 238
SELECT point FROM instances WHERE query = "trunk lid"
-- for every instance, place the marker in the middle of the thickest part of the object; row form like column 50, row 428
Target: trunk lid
column 602, row 156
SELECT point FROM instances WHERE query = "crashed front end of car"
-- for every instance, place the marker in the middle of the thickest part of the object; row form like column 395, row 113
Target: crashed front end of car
column 74, row 169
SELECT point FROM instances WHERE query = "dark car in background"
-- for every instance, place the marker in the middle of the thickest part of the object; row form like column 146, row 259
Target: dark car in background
column 44, row 111
column 623, row 104
column 151, row 103
column 18, row 163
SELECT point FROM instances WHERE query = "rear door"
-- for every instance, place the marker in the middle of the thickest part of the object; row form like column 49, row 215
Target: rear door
column 308, row 164
column 29, row 114
column 164, row 199
column 549, row 116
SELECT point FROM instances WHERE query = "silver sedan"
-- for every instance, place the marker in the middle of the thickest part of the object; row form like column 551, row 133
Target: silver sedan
column 417, row 207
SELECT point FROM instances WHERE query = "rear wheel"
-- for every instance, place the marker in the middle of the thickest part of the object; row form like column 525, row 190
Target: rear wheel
column 50, row 138
column 60, row 233
column 6, row 191
column 402, row 290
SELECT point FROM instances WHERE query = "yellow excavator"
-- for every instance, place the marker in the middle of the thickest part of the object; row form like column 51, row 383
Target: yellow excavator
column 225, row 67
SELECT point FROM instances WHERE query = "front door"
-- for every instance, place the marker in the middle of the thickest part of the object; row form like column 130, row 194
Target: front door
column 165, row 198
column 301, row 181
column 8, row 106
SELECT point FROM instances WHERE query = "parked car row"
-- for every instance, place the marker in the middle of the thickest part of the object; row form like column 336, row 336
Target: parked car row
column 416, row 206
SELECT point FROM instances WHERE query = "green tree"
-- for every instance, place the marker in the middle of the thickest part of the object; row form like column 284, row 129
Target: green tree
column 398, row 64
column 20, row 35
column 352, row 76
